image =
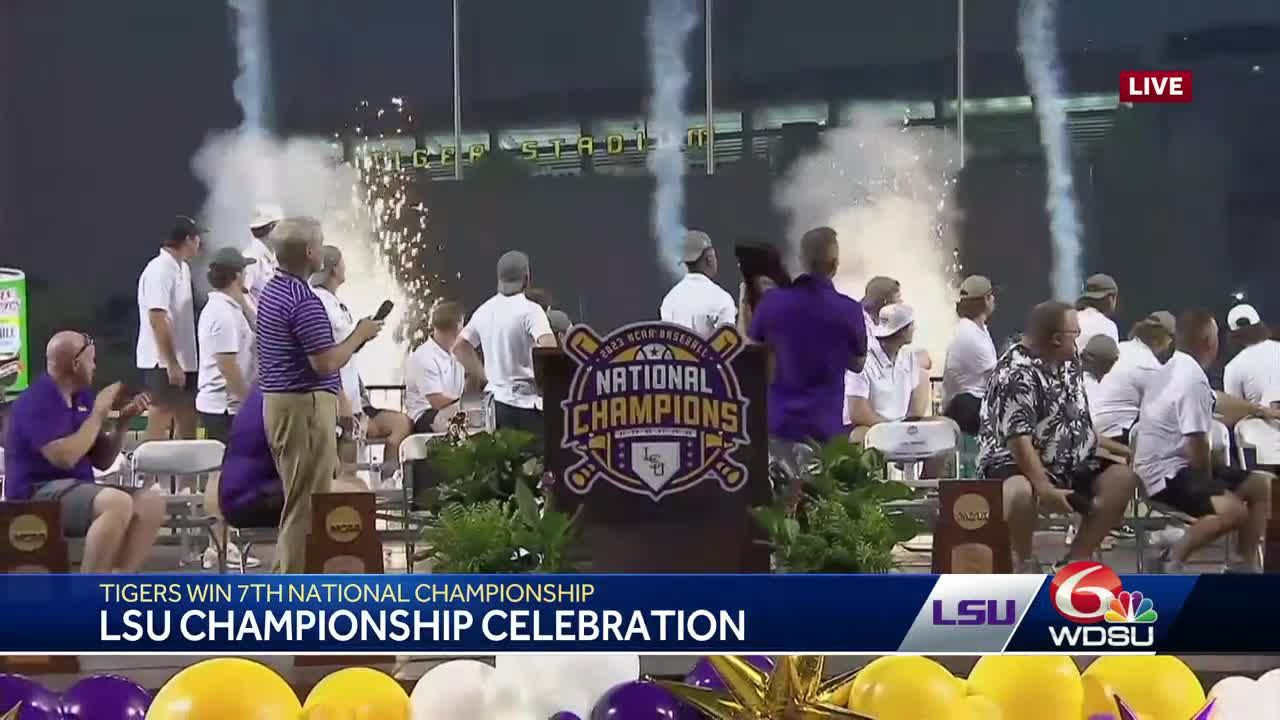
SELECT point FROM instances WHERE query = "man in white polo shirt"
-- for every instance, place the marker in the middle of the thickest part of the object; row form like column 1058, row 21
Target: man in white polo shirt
column 1095, row 307
column 1254, row 373
column 1174, row 461
column 1114, row 406
column 167, row 334
column 697, row 302
column 971, row 356
column 892, row 386
column 433, row 378
column 260, row 249
column 506, row 328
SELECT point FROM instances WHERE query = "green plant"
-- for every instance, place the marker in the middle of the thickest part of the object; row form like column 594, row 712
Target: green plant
column 839, row 524
column 486, row 466
column 472, row 539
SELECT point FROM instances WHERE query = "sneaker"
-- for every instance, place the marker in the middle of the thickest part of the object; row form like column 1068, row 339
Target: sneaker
column 235, row 559
column 1070, row 537
column 1124, row 532
column 1166, row 537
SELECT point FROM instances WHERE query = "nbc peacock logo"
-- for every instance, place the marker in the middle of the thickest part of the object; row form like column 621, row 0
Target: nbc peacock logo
column 1131, row 607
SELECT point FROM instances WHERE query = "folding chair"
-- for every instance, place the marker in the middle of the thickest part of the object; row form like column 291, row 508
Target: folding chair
column 178, row 459
column 416, row 447
column 1260, row 436
column 913, row 442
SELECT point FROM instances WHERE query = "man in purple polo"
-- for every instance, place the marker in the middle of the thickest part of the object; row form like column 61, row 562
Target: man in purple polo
column 57, row 435
column 250, row 494
column 298, row 363
column 815, row 334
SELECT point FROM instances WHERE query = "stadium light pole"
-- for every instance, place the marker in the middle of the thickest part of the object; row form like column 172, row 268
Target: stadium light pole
column 960, row 77
column 457, row 93
column 711, row 126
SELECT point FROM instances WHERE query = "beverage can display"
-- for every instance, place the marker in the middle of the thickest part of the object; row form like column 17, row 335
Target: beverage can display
column 14, row 366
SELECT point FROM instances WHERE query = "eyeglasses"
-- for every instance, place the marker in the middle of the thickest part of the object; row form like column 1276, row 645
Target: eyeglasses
column 88, row 343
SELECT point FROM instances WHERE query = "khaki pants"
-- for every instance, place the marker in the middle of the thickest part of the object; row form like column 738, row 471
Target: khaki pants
column 301, row 428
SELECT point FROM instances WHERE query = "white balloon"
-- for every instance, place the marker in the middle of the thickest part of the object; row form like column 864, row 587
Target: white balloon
column 1241, row 697
column 1271, row 681
column 551, row 683
column 455, row 690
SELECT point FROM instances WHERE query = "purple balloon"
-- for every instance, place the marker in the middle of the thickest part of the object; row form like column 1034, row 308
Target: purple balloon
column 106, row 697
column 36, row 701
column 704, row 674
column 639, row 700
column 565, row 715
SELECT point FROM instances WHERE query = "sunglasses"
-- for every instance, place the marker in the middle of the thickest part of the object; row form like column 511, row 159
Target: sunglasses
column 88, row 343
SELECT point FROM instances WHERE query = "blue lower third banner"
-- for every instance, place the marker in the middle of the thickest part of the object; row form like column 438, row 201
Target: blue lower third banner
column 1088, row 609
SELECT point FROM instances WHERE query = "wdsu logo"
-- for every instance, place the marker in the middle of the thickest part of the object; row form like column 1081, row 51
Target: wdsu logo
column 1089, row 593
column 654, row 409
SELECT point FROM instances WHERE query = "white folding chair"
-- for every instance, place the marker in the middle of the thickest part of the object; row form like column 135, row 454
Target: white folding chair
column 179, row 459
column 1260, row 436
column 913, row 442
column 415, row 448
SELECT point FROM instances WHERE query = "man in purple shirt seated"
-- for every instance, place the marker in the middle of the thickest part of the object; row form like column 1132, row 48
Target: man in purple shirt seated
column 57, row 436
column 250, row 494
column 298, row 363
column 815, row 334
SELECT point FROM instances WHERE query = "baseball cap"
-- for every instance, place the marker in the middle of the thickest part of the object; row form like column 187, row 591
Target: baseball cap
column 1102, row 347
column 1164, row 319
column 976, row 286
column 696, row 242
column 230, row 257
column 513, row 270
column 1243, row 315
column 880, row 289
column 1099, row 286
column 184, row 227
column 330, row 256
column 266, row 214
column 559, row 321
column 892, row 319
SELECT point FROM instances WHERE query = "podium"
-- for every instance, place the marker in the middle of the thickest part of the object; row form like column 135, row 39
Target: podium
column 972, row 535
column 343, row 541
column 703, row 527
column 31, row 541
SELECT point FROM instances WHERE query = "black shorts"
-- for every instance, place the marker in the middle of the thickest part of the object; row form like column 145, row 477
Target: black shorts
column 262, row 513
column 1192, row 493
column 966, row 410
column 1080, row 482
column 164, row 395
column 216, row 427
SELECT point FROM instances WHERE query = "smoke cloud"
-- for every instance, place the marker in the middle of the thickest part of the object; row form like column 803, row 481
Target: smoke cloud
column 887, row 191
column 254, row 78
column 670, row 22
column 1039, row 48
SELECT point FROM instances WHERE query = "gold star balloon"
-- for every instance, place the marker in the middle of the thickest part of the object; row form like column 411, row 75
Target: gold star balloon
column 13, row 713
column 793, row 690
column 1127, row 713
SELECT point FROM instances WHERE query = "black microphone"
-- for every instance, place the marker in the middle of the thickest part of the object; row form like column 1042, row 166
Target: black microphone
column 383, row 311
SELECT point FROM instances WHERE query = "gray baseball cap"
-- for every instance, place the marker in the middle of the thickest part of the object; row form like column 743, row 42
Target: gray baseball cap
column 1102, row 347
column 330, row 256
column 513, row 272
column 1164, row 319
column 1099, row 286
column 976, row 286
column 230, row 257
column 559, row 321
column 696, row 242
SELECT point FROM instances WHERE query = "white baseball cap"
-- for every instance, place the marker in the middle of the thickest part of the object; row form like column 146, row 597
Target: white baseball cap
column 1243, row 315
column 266, row 214
column 892, row 319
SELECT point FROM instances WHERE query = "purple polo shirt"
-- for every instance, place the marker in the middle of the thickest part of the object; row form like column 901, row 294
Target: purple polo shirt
column 248, row 470
column 38, row 417
column 814, row 332
column 292, row 324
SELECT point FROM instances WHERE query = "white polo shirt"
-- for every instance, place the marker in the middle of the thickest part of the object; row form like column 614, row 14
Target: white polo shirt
column 343, row 325
column 1093, row 323
column 431, row 370
column 1179, row 402
column 257, row 274
column 1114, row 407
column 223, row 330
column 505, row 329
column 1254, row 373
column 698, row 303
column 971, row 357
column 887, row 383
column 165, row 284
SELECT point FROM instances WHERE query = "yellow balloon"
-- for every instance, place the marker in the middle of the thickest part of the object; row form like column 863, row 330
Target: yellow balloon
column 910, row 688
column 866, row 681
column 1155, row 686
column 1047, row 684
column 358, row 694
column 225, row 688
column 977, row 707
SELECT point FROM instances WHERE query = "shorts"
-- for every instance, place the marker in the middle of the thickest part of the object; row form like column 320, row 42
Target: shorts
column 264, row 512
column 76, row 500
column 1080, row 482
column 966, row 410
column 156, row 381
column 217, row 427
column 1192, row 493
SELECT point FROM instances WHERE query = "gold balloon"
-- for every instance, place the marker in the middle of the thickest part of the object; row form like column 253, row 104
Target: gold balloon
column 224, row 688
column 1155, row 687
column 866, row 681
column 913, row 688
column 978, row 707
column 358, row 694
column 1049, row 684
column 793, row 690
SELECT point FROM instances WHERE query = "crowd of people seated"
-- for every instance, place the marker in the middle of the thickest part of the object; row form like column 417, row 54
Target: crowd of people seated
column 1070, row 420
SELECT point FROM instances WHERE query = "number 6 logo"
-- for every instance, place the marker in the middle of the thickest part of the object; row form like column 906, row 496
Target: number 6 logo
column 1082, row 590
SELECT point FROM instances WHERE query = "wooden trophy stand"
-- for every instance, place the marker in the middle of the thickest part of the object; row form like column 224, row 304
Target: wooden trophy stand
column 704, row 529
column 31, row 542
column 971, row 536
column 343, row 541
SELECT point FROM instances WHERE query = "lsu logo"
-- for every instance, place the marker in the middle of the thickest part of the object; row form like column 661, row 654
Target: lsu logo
column 654, row 409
